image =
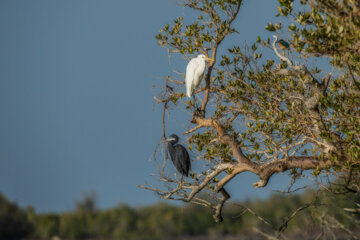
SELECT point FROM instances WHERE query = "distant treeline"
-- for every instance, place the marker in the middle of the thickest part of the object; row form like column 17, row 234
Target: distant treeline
column 164, row 221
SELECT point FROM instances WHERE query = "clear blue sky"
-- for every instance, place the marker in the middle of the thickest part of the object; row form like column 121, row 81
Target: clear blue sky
column 76, row 98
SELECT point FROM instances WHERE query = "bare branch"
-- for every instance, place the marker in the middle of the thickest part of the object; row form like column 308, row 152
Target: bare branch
column 207, row 179
column 218, row 209
column 219, row 38
column 285, row 59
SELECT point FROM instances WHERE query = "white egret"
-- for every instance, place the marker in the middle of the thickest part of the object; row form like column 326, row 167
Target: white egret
column 194, row 73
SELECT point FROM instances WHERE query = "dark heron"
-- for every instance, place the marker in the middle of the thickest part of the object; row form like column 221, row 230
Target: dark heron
column 179, row 155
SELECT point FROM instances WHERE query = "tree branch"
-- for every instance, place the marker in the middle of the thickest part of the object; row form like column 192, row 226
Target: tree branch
column 219, row 39
column 224, row 137
column 218, row 209
column 285, row 59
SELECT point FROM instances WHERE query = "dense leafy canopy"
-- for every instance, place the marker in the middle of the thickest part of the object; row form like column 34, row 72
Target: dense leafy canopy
column 291, row 110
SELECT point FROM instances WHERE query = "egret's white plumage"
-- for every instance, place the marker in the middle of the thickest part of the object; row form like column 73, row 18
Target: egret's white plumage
column 194, row 73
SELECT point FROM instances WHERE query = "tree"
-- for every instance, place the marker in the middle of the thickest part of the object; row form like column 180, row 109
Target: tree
column 268, row 115
column 46, row 226
column 14, row 223
column 88, row 203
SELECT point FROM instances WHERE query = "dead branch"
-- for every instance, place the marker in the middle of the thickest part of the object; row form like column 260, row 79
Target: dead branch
column 218, row 209
column 285, row 59
column 219, row 38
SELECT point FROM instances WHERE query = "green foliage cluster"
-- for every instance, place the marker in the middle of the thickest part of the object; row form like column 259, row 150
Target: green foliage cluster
column 329, row 30
column 288, row 110
column 163, row 221
column 275, row 111
column 193, row 37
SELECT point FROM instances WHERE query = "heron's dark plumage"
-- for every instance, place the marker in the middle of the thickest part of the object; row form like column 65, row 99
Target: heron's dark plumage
column 179, row 155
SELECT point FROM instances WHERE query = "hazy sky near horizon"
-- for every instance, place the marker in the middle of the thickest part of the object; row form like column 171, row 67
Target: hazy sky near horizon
column 76, row 98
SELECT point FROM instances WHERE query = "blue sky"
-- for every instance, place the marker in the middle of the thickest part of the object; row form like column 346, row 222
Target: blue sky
column 76, row 98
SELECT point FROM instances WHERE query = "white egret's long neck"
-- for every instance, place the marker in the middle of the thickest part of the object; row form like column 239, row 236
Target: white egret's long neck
column 201, row 62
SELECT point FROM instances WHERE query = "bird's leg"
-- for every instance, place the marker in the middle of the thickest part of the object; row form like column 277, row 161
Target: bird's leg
column 197, row 112
column 195, row 103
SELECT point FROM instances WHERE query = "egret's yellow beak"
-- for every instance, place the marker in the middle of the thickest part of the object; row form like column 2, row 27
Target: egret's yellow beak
column 209, row 59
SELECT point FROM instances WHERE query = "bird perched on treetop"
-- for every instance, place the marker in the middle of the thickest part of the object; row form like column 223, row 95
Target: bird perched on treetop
column 194, row 73
column 179, row 155
column 283, row 44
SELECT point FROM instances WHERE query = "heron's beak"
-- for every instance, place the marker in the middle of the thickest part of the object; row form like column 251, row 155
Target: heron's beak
column 209, row 59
